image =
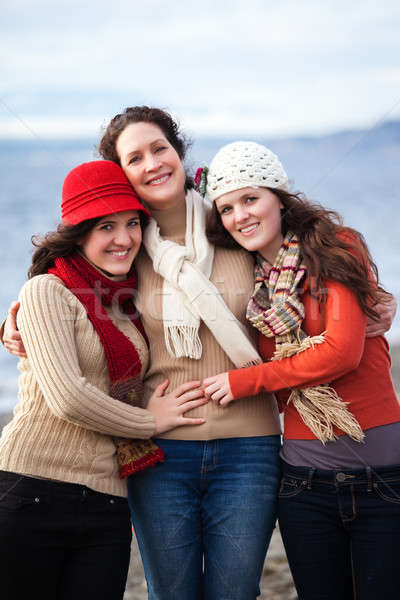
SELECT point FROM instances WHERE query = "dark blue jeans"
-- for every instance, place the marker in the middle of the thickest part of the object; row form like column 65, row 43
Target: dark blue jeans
column 341, row 531
column 61, row 541
column 204, row 517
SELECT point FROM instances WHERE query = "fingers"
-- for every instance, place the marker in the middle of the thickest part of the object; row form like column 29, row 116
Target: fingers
column 227, row 399
column 191, row 421
column 192, row 404
column 186, row 387
column 15, row 348
column 192, row 395
column 11, row 333
column 211, row 389
column 218, row 395
column 16, row 353
column 374, row 331
column 12, row 312
column 160, row 389
column 375, row 328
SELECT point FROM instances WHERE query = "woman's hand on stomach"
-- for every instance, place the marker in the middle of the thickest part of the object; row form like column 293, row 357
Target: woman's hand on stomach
column 169, row 409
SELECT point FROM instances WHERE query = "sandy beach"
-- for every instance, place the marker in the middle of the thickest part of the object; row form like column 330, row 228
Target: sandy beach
column 276, row 582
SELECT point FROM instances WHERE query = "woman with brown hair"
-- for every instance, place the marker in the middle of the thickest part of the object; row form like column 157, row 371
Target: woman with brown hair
column 203, row 517
column 315, row 286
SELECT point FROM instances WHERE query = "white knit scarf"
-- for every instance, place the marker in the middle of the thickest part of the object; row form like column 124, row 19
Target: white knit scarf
column 188, row 294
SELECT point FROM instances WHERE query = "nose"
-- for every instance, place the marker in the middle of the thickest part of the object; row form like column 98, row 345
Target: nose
column 152, row 162
column 241, row 213
column 122, row 237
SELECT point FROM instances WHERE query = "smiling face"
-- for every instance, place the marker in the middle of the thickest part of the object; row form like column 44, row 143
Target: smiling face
column 252, row 216
column 152, row 165
column 114, row 242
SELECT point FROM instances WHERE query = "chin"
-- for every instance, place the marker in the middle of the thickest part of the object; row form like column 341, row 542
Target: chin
column 248, row 246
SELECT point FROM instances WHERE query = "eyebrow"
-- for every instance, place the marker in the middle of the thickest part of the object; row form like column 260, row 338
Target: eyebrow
column 106, row 221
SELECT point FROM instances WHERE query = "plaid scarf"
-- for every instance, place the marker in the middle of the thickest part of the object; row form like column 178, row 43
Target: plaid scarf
column 95, row 291
column 276, row 310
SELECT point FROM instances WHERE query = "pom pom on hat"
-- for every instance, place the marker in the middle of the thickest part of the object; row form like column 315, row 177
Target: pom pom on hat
column 96, row 189
column 244, row 164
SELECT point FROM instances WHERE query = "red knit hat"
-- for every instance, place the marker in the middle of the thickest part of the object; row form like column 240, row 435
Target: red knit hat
column 95, row 189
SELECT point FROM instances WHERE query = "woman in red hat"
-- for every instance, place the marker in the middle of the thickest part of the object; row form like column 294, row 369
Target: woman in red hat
column 79, row 428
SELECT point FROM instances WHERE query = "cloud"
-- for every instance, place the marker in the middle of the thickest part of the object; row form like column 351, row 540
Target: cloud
column 255, row 64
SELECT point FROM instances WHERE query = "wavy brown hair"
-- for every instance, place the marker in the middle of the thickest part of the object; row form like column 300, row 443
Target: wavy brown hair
column 329, row 250
column 144, row 114
column 60, row 243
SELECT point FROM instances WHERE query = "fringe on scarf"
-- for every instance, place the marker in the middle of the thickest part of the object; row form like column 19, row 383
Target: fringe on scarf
column 135, row 457
column 183, row 340
column 319, row 406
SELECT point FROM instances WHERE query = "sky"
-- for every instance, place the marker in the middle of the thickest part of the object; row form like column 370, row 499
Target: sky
column 253, row 67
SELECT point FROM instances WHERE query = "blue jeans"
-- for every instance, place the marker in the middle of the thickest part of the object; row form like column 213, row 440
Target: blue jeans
column 204, row 517
column 61, row 540
column 341, row 531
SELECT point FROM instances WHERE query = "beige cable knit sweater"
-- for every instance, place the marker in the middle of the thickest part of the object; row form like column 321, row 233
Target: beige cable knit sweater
column 232, row 274
column 64, row 422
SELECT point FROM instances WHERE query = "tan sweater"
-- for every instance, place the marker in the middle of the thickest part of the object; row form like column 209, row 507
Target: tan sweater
column 232, row 274
column 64, row 422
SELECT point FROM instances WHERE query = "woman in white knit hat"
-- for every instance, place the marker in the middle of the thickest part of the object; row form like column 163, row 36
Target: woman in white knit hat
column 315, row 286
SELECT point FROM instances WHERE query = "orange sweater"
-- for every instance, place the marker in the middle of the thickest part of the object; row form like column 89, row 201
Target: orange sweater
column 357, row 367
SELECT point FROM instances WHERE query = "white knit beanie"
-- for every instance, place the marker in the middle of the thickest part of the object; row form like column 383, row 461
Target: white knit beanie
column 244, row 164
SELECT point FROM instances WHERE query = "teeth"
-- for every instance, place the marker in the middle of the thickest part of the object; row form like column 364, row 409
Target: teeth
column 249, row 228
column 124, row 253
column 155, row 181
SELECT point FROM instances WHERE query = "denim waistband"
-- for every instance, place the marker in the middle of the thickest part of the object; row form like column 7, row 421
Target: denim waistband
column 48, row 486
column 367, row 474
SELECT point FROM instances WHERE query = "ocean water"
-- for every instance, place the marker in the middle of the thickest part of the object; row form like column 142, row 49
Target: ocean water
column 353, row 173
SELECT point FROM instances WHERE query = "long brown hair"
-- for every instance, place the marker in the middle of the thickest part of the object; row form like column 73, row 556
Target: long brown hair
column 60, row 243
column 144, row 114
column 329, row 250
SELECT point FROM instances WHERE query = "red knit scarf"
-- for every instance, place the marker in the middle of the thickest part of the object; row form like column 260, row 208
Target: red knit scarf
column 95, row 291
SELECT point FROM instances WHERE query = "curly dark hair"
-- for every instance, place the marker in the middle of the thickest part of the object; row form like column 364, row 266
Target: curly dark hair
column 329, row 250
column 62, row 242
column 144, row 114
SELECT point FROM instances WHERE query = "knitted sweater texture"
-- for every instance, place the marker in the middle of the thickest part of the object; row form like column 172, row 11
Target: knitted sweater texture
column 64, row 422
column 358, row 368
column 232, row 274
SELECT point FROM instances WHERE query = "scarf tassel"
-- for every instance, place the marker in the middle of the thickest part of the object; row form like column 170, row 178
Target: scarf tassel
column 183, row 340
column 288, row 349
column 251, row 363
column 137, row 455
column 321, row 408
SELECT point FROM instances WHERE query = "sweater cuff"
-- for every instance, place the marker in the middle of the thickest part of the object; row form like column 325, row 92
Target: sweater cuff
column 241, row 382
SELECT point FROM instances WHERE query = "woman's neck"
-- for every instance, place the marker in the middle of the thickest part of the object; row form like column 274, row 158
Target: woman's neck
column 270, row 252
column 172, row 222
